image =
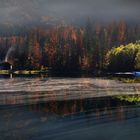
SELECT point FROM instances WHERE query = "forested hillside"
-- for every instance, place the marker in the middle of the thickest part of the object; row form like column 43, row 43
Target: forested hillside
column 66, row 48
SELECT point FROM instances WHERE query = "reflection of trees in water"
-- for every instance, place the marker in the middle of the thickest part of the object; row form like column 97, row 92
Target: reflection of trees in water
column 129, row 98
column 97, row 106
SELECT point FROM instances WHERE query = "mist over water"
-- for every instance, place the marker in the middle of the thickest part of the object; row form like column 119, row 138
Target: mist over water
column 59, row 108
column 68, row 108
column 34, row 90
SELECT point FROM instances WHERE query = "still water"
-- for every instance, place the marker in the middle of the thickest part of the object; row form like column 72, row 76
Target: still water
column 68, row 108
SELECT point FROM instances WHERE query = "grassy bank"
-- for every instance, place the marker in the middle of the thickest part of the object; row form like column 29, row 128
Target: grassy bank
column 25, row 72
column 127, row 79
column 4, row 71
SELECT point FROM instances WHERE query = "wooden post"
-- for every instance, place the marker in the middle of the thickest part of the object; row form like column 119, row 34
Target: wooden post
column 11, row 67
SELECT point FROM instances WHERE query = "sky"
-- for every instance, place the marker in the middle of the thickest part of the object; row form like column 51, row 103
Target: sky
column 73, row 11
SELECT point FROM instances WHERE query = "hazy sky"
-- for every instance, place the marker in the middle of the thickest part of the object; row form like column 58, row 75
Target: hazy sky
column 36, row 11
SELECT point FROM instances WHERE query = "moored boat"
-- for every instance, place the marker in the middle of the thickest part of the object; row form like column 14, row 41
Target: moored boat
column 136, row 73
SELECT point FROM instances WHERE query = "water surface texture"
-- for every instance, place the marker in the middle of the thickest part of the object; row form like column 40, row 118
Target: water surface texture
column 68, row 108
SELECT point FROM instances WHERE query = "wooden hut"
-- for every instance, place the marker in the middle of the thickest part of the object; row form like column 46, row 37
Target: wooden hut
column 5, row 66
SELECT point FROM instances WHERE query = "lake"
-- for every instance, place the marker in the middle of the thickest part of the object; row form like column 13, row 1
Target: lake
column 54, row 108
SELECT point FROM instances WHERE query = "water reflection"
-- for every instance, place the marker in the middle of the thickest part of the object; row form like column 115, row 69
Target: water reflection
column 95, row 118
column 68, row 108
column 96, row 105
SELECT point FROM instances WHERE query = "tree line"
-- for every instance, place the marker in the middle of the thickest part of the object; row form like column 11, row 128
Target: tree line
column 124, row 58
column 67, row 48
